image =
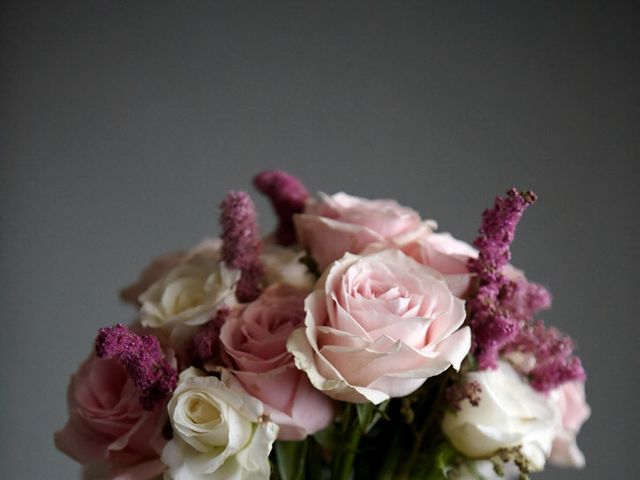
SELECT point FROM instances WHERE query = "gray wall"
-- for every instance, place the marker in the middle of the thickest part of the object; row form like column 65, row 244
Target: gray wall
column 124, row 123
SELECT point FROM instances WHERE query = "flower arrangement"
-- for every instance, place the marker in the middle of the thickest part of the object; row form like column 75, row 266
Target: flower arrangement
column 355, row 342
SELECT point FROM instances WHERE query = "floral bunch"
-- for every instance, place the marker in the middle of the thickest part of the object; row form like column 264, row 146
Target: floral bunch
column 353, row 342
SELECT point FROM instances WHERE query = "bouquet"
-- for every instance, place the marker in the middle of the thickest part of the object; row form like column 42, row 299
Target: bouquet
column 354, row 342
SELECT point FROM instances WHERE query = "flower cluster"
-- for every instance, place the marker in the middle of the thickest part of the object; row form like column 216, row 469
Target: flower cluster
column 353, row 342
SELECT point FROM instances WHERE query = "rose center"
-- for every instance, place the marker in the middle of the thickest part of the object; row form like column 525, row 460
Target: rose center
column 201, row 412
column 183, row 294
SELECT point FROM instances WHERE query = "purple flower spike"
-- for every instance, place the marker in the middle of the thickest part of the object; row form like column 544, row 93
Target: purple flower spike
column 288, row 197
column 493, row 319
column 497, row 233
column 555, row 363
column 206, row 342
column 241, row 243
column 144, row 360
column 502, row 309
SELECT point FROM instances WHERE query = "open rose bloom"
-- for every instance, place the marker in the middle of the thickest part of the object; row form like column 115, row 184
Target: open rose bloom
column 352, row 342
column 378, row 326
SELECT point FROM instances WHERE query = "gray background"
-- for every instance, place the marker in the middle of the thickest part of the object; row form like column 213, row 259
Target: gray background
column 124, row 123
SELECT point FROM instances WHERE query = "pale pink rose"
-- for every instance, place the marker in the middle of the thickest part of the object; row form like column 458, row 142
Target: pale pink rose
column 208, row 247
column 447, row 255
column 108, row 431
column 574, row 410
column 342, row 223
column 377, row 326
column 254, row 337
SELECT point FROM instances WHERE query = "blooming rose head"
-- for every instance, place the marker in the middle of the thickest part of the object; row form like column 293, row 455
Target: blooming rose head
column 510, row 414
column 341, row 223
column 218, row 431
column 377, row 326
column 255, row 338
column 574, row 411
column 209, row 247
column 187, row 296
column 108, row 430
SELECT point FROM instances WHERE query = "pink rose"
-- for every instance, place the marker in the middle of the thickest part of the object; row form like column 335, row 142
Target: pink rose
column 443, row 253
column 377, row 326
column 574, row 410
column 341, row 223
column 255, row 338
column 107, row 427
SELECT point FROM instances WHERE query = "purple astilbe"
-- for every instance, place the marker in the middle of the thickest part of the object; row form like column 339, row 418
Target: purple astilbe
column 493, row 325
column 526, row 299
column 497, row 233
column 143, row 359
column 555, row 363
column 288, row 196
column 458, row 392
column 502, row 309
column 241, row 243
column 206, row 342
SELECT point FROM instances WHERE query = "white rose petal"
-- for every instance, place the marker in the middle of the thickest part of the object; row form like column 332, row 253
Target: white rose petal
column 510, row 414
column 283, row 265
column 218, row 429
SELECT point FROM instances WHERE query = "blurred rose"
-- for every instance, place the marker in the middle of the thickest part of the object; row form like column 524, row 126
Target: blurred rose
column 208, row 247
column 341, row 223
column 510, row 414
column 255, row 338
column 108, row 431
column 283, row 265
column 218, row 431
column 574, row 411
column 377, row 326
column 188, row 296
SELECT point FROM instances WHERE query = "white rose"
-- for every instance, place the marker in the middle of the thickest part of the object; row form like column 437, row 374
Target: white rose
column 283, row 265
column 510, row 414
column 483, row 469
column 188, row 294
column 218, row 431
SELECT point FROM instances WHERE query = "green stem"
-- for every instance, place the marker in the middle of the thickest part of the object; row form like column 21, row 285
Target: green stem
column 405, row 472
column 342, row 467
column 387, row 472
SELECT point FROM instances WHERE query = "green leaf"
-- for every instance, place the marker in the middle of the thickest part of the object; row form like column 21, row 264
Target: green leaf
column 369, row 414
column 443, row 461
column 291, row 458
column 365, row 414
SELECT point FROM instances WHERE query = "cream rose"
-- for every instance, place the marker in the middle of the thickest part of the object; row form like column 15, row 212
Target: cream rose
column 283, row 265
column 218, row 431
column 377, row 326
column 188, row 294
column 208, row 247
column 510, row 414
column 483, row 470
